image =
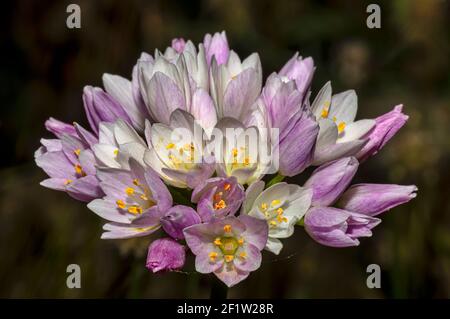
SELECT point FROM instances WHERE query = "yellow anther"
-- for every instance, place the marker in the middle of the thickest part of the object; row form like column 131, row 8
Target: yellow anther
column 227, row 186
column 135, row 209
column 116, row 152
column 324, row 113
column 234, row 151
column 247, row 160
column 341, row 127
column 77, row 152
column 120, row 203
column 264, row 206
column 241, row 241
column 219, row 205
column 170, row 146
column 79, row 170
column 227, row 228
column 136, row 182
column 275, row 202
column 68, row 181
column 212, row 256
column 217, row 241
column 273, row 223
column 280, row 211
column 243, row 254
column 228, row 258
column 129, row 191
column 143, row 197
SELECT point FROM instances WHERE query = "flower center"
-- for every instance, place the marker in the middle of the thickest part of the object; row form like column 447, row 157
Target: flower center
column 138, row 199
column 273, row 213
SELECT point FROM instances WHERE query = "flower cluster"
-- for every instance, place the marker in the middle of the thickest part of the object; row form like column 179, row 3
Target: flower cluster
column 146, row 164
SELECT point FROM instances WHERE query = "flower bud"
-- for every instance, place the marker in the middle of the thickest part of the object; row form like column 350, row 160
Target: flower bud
column 165, row 254
column 330, row 180
column 178, row 218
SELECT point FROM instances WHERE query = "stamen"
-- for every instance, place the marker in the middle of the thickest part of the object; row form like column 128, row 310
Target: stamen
column 228, row 258
column 217, row 241
column 136, row 182
column 116, row 152
column 280, row 211
column 221, row 204
column 129, row 191
column 120, row 203
column 243, row 254
column 77, row 152
column 264, row 206
column 170, row 146
column 227, row 228
column 212, row 256
column 227, row 186
column 241, row 241
column 143, row 197
column 79, row 170
column 68, row 181
column 341, row 127
column 273, row 223
column 234, row 151
column 324, row 113
column 135, row 209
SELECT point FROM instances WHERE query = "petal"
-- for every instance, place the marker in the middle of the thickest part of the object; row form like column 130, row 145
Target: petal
column 108, row 210
column 274, row 245
column 164, row 96
column 344, row 106
column 336, row 151
column 252, row 259
column 230, row 275
column 256, row 231
column 356, row 130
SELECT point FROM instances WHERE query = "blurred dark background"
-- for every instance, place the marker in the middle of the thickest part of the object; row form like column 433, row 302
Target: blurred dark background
column 45, row 66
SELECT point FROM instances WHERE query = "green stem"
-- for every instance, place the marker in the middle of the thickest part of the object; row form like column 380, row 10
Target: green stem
column 276, row 179
column 218, row 290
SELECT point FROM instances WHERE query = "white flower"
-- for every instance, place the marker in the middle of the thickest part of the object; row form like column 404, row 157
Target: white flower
column 340, row 135
column 282, row 205
column 118, row 142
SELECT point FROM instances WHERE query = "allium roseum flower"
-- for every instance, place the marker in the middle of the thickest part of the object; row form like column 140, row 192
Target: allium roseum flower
column 117, row 143
column 216, row 46
column 135, row 201
column 165, row 254
column 229, row 247
column 175, row 151
column 69, row 161
column 339, row 134
column 337, row 227
column 374, row 199
column 281, row 205
column 386, row 126
column 177, row 219
column 193, row 151
column 218, row 197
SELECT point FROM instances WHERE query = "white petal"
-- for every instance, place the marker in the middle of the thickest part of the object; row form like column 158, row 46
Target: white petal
column 105, row 154
column 251, row 194
column 322, row 100
column 344, row 107
column 274, row 245
column 356, row 130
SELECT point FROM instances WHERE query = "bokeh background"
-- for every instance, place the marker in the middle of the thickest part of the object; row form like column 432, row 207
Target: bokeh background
column 45, row 66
